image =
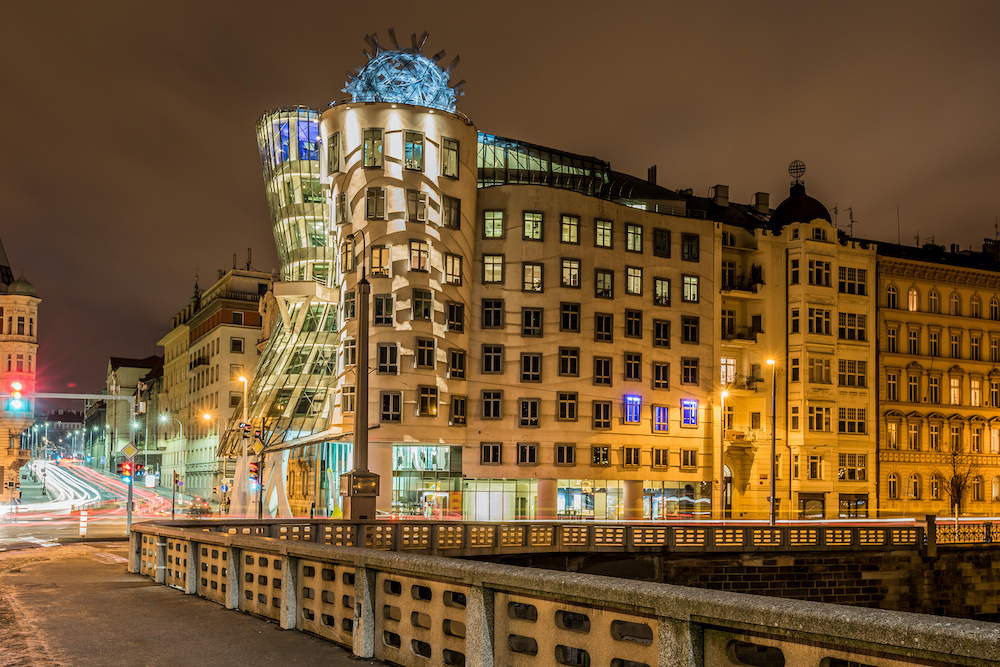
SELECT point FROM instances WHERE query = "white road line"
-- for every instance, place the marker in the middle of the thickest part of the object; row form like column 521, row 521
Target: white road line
column 40, row 542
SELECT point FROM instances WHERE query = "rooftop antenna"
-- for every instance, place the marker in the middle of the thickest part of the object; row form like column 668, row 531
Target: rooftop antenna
column 916, row 237
column 898, row 237
column 850, row 211
column 249, row 257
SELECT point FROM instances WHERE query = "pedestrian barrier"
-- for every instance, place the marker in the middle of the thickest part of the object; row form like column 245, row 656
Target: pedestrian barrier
column 409, row 608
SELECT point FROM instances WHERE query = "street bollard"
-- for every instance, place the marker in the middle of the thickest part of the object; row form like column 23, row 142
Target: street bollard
column 83, row 523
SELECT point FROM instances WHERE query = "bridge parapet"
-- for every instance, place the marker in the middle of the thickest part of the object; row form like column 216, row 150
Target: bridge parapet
column 414, row 609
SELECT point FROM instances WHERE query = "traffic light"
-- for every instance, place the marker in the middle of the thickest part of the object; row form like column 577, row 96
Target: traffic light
column 126, row 468
column 120, row 467
column 246, row 430
column 253, row 471
column 257, row 434
column 139, row 468
column 177, row 478
column 16, row 403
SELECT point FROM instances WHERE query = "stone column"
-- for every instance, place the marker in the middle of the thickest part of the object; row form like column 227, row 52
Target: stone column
column 632, row 499
column 548, row 490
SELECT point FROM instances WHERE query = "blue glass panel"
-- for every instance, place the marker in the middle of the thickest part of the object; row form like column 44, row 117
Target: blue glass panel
column 309, row 143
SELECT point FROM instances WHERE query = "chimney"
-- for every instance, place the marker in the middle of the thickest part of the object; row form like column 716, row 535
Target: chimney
column 761, row 202
column 651, row 174
column 721, row 197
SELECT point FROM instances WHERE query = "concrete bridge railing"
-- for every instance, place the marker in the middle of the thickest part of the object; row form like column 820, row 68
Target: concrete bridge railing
column 416, row 609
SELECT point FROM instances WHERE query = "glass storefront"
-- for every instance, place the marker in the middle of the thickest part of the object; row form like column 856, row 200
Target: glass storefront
column 426, row 481
column 664, row 500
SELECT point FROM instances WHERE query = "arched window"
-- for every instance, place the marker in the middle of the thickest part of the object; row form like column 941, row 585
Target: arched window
column 996, row 488
column 936, row 487
column 954, row 305
column 891, row 297
column 933, row 302
column 977, row 488
column 995, row 310
column 893, row 486
column 912, row 300
column 913, row 486
column 975, row 307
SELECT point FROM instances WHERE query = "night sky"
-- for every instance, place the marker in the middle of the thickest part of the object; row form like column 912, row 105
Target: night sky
column 128, row 160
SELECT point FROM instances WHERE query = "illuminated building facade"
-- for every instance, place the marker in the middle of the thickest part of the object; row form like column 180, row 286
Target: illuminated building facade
column 18, row 356
column 939, row 383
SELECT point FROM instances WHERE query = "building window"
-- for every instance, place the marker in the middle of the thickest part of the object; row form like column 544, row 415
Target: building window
column 373, row 147
column 347, row 399
column 416, row 206
column 689, row 371
column 532, row 225
column 934, row 349
column 955, row 305
column 569, row 361
column 602, row 414
column 851, row 420
column 633, row 366
column 633, row 323
column 603, row 327
column 913, row 342
column 413, row 151
column 236, row 345
column 660, row 419
column 427, row 405
column 977, row 440
column 891, row 298
column 528, row 412
column 333, row 153
column 913, row 389
column 975, row 392
column 795, row 369
column 380, row 261
column 570, row 273
column 852, row 326
column 689, row 412
column 913, row 437
column 419, row 256
column 819, row 273
column 852, row 281
column 955, row 391
column 566, row 406
column 532, row 277
column 994, row 310
column 423, row 304
column 689, row 458
column 449, row 158
column 795, row 418
column 493, row 224
column 602, row 233
column 912, row 300
column 815, row 467
column 633, row 280
column 661, row 457
column 661, row 333
column 631, row 457
column 457, row 415
column 493, row 269
column 456, row 317
column 531, row 321
column 383, row 309
column 350, row 352
column 661, row 291
column 974, row 348
column 492, row 358
column 492, row 314
column 492, row 401
column 602, row 371
column 453, row 269
column 933, row 390
column 531, row 367
column 527, row 453
column 820, row 418
column 689, row 329
column 852, row 373
column 956, row 344
column 392, row 406
column 891, row 344
column 599, row 455
column 569, row 319
column 794, row 320
column 891, row 385
column 489, row 453
column 893, row 486
column 661, row 242
column 604, row 283
column 456, row 364
column 565, row 454
column 425, row 356
column 933, row 302
column 633, row 409
column 934, row 437
column 690, row 247
column 569, row 229
column 793, row 277
column 819, row 321
column 451, row 212
column 977, row 488
column 633, row 237
column 852, row 467
column 375, row 203
column 347, row 261
column 690, row 294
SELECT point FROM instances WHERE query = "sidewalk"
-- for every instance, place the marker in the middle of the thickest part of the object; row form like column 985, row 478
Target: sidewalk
column 77, row 605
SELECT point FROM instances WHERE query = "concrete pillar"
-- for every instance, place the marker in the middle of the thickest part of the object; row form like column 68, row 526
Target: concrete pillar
column 364, row 612
column 193, row 558
column 161, row 560
column 233, row 585
column 632, row 499
column 289, row 593
column 479, row 627
column 548, row 490
column 681, row 643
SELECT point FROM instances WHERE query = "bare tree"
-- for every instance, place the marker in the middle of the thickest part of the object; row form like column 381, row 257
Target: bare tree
column 956, row 474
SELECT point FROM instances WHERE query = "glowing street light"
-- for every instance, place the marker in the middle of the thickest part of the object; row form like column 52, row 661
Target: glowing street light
column 722, row 454
column 774, row 434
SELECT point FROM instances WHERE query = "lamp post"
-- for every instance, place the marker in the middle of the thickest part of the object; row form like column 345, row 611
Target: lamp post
column 245, row 501
column 774, row 434
column 722, row 454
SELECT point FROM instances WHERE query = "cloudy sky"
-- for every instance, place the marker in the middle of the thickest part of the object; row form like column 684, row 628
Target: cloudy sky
column 128, row 161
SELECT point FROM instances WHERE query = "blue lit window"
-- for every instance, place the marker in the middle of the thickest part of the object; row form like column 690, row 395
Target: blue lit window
column 309, row 142
column 633, row 405
column 660, row 414
column 689, row 412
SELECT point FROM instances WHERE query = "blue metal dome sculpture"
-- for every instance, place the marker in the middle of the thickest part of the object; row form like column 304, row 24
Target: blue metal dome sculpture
column 405, row 76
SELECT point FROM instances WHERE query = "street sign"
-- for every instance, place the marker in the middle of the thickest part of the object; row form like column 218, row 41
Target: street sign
column 150, row 481
column 226, row 481
column 257, row 447
column 130, row 450
column 224, row 488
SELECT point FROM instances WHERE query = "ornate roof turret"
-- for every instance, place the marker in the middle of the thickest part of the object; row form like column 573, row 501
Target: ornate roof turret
column 21, row 286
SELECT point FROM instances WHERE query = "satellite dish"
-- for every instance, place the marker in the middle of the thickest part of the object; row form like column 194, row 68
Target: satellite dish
column 796, row 169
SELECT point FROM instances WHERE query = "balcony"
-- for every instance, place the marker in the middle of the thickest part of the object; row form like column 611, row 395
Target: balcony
column 199, row 361
column 746, row 282
column 745, row 383
column 740, row 332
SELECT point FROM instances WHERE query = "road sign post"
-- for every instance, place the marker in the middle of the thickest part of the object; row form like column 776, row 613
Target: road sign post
column 129, row 451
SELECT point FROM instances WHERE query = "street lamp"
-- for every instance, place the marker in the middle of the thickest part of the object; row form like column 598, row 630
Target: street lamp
column 722, row 454
column 774, row 433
